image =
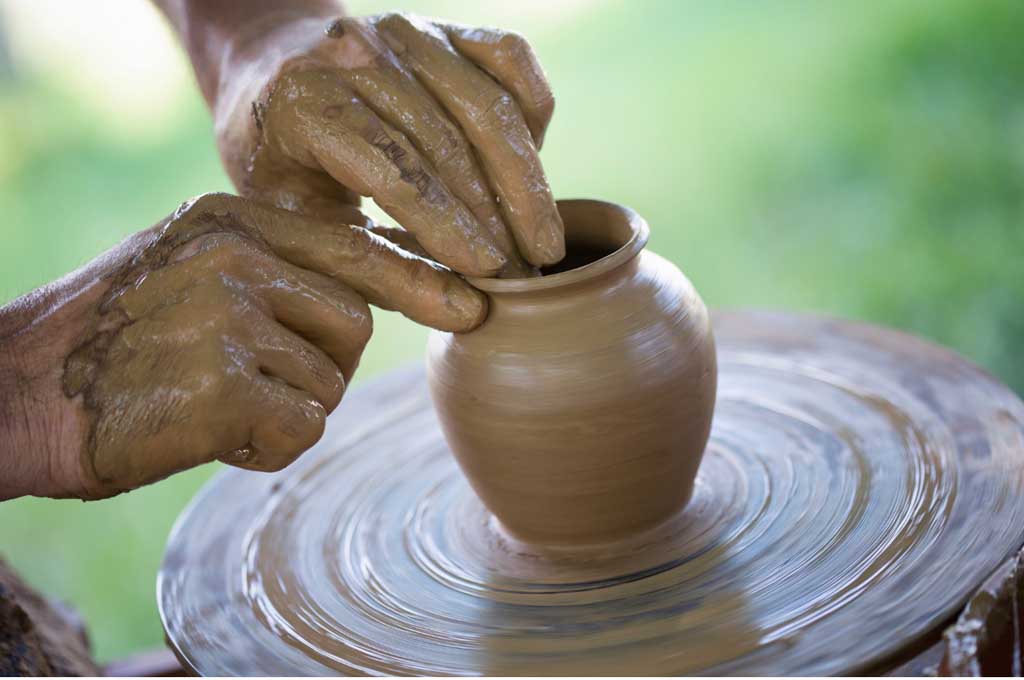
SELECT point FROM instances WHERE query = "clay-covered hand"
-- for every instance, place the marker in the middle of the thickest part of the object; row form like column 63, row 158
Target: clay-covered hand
column 439, row 123
column 229, row 331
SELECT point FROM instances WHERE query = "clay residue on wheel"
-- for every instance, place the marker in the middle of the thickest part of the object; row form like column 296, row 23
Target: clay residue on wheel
column 856, row 479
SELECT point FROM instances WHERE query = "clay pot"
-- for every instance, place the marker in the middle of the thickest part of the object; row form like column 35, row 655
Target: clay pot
column 579, row 411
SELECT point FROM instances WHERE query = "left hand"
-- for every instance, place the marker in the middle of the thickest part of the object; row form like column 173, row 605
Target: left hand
column 227, row 331
column 432, row 120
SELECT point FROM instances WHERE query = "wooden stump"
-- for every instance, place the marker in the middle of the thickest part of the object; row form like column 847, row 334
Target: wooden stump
column 39, row 637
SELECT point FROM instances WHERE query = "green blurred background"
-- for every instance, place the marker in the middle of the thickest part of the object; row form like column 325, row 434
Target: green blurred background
column 859, row 159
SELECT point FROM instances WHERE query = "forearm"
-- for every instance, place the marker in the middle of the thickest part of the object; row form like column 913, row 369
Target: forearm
column 22, row 421
column 43, row 431
column 32, row 426
column 215, row 33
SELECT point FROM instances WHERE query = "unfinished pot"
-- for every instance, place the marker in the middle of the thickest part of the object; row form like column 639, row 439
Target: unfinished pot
column 580, row 409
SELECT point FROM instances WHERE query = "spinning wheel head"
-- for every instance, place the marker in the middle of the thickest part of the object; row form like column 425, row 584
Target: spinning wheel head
column 857, row 486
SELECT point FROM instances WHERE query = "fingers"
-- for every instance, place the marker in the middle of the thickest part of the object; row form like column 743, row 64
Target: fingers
column 325, row 208
column 510, row 60
column 384, row 275
column 284, row 355
column 401, row 238
column 381, row 273
column 287, row 184
column 395, row 95
column 327, row 124
column 285, row 422
column 494, row 125
column 333, row 209
column 323, row 312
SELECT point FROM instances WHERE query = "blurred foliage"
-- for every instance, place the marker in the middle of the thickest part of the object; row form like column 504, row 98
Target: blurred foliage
column 859, row 159
column 910, row 186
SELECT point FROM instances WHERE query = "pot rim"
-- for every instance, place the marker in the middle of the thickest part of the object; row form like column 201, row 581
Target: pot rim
column 639, row 233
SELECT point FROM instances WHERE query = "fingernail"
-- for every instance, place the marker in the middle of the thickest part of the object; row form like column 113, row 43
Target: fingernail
column 469, row 304
column 489, row 260
column 518, row 268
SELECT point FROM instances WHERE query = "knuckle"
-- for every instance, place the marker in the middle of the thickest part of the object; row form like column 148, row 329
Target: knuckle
column 453, row 153
column 211, row 202
column 448, row 151
column 497, row 112
column 243, row 308
column 362, row 325
column 326, row 374
column 231, row 252
column 417, row 273
column 238, row 369
column 349, row 245
column 394, row 20
column 206, row 214
column 331, row 291
column 336, row 390
column 512, row 42
column 546, row 104
column 303, row 425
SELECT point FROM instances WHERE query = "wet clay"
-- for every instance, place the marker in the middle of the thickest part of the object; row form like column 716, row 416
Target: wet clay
column 229, row 331
column 580, row 409
column 856, row 479
column 440, row 124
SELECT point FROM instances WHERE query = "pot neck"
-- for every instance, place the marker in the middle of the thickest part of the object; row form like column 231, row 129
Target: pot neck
column 589, row 225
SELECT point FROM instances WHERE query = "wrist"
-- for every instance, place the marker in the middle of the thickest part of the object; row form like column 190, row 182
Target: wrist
column 250, row 61
column 255, row 53
column 219, row 34
column 20, row 463
column 44, row 433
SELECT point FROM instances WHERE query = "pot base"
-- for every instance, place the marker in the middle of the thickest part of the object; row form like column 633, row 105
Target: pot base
column 858, row 485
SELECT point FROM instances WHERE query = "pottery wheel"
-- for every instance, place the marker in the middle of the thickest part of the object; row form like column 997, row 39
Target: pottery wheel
column 858, row 485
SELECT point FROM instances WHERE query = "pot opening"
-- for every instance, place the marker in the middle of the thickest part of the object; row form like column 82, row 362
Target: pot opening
column 577, row 255
column 599, row 237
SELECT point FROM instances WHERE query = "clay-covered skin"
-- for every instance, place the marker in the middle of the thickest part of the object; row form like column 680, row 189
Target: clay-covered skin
column 580, row 409
column 441, row 124
column 228, row 331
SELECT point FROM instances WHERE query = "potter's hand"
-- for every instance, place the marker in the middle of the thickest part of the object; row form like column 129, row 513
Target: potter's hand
column 432, row 120
column 228, row 331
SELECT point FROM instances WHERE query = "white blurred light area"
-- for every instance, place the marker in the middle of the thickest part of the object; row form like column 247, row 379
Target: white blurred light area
column 117, row 57
column 120, row 59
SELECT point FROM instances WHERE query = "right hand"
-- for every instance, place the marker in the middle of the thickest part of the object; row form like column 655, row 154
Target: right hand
column 433, row 120
column 230, row 333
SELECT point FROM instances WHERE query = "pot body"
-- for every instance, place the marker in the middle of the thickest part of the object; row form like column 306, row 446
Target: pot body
column 579, row 411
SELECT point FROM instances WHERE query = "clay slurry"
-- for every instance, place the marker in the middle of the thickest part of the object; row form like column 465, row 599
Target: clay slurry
column 856, row 479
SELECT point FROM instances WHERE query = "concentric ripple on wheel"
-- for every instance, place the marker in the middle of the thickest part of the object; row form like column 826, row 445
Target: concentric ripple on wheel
column 858, row 485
